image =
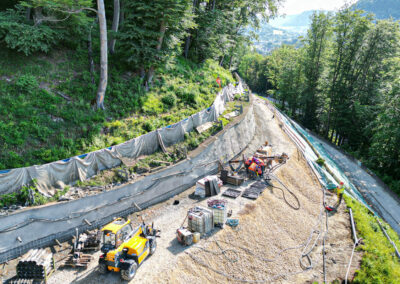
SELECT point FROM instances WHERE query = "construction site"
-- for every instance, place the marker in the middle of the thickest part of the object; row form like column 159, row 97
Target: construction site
column 259, row 212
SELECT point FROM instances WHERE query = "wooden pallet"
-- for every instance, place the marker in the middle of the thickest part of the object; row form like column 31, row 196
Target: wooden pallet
column 81, row 262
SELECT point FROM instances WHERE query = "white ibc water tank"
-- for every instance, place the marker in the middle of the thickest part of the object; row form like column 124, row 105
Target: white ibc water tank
column 200, row 220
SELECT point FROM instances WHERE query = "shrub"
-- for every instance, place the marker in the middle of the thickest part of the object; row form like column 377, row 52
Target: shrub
column 152, row 105
column 148, row 126
column 169, row 100
column 320, row 161
column 23, row 37
column 26, row 83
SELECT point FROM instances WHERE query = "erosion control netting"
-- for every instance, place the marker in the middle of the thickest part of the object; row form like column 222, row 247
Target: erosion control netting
column 57, row 174
column 293, row 129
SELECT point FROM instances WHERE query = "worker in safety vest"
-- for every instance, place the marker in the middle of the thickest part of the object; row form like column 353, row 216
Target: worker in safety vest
column 255, row 166
column 340, row 190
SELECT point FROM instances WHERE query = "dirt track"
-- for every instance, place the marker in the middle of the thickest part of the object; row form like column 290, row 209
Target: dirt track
column 254, row 251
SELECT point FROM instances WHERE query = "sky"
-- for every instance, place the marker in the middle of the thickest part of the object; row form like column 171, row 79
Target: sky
column 290, row 7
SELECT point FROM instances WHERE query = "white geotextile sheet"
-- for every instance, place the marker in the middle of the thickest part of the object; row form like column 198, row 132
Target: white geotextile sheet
column 58, row 174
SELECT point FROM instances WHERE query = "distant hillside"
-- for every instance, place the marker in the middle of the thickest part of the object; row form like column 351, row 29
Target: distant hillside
column 271, row 38
column 383, row 9
column 298, row 23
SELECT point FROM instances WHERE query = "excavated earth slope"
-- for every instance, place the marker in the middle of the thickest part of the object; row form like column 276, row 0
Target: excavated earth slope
column 268, row 243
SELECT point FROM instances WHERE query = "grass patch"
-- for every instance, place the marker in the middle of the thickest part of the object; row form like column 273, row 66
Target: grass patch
column 38, row 125
column 379, row 263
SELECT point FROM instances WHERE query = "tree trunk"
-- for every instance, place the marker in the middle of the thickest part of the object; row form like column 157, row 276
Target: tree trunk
column 28, row 14
column 115, row 23
column 122, row 12
column 103, row 54
column 189, row 37
column 187, row 45
column 142, row 73
column 90, row 54
column 230, row 61
column 37, row 15
column 213, row 5
column 222, row 60
column 150, row 74
column 336, row 138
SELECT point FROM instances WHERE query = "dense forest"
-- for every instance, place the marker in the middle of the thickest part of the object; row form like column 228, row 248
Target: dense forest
column 80, row 75
column 343, row 83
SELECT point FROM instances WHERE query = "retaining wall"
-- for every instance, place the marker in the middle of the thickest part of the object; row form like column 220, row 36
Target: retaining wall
column 40, row 226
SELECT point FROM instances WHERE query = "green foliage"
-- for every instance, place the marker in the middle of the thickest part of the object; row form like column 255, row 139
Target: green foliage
column 320, row 161
column 379, row 263
column 342, row 83
column 23, row 37
column 169, row 100
column 221, row 33
column 150, row 23
column 38, row 125
column 23, row 196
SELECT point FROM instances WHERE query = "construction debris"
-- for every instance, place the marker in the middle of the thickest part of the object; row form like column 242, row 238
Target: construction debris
column 83, row 242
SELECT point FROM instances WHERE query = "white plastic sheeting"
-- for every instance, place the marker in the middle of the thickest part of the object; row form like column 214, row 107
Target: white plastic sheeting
column 38, row 227
column 57, row 174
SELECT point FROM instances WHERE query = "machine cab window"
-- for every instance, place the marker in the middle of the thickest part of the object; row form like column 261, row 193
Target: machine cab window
column 115, row 233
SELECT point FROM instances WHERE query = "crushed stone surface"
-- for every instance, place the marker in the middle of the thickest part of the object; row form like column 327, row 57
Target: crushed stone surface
column 265, row 247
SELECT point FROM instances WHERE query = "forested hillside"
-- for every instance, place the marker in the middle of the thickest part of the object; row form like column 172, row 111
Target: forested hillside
column 76, row 76
column 343, row 83
column 383, row 9
column 269, row 38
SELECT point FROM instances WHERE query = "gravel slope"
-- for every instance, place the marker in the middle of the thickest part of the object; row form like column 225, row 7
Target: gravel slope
column 256, row 250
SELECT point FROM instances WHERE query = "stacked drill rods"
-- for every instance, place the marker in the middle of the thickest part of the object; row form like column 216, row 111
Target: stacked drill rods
column 36, row 265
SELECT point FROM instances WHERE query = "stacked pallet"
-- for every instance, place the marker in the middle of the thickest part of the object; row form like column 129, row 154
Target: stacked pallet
column 37, row 264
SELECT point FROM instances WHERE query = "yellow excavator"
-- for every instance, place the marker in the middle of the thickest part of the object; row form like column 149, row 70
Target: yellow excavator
column 124, row 248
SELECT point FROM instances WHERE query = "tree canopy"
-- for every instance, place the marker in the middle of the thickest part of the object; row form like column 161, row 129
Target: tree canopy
column 342, row 83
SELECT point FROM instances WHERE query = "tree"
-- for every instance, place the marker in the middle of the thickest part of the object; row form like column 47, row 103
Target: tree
column 101, row 90
column 221, row 27
column 152, row 33
column 115, row 24
column 61, row 10
column 315, row 47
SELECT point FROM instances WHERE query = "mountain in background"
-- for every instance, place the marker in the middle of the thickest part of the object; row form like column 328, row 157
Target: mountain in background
column 282, row 30
column 270, row 37
column 383, row 9
column 297, row 23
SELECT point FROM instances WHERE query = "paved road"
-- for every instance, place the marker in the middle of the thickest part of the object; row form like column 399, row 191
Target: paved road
column 384, row 201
